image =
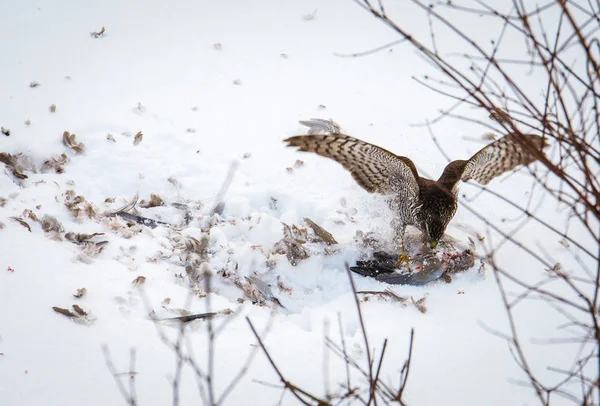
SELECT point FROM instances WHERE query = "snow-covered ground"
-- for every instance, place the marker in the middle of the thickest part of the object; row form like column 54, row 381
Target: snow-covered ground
column 209, row 84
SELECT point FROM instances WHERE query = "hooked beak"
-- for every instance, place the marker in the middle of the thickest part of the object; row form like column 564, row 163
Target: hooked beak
column 433, row 244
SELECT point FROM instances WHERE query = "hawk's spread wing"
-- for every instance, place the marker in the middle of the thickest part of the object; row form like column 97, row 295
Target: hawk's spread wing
column 501, row 156
column 375, row 169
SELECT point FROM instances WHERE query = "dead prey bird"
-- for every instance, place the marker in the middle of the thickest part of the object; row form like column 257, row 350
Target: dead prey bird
column 426, row 204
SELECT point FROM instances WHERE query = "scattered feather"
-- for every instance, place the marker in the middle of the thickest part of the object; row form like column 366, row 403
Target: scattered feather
column 385, row 294
column 21, row 222
column 69, row 141
column 57, row 163
column 173, row 181
column 309, row 16
column 273, row 204
column 78, row 206
column 62, row 311
column 292, row 244
column 320, row 232
column 264, row 289
column 51, row 225
column 30, row 215
column 128, row 206
column 155, row 201
column 196, row 246
column 79, row 293
column 79, row 238
column 79, row 316
column 90, row 249
column 138, row 138
column 98, row 34
column 142, row 220
column 17, row 164
column 321, row 126
column 139, row 281
column 79, row 310
column 191, row 317
column 420, row 304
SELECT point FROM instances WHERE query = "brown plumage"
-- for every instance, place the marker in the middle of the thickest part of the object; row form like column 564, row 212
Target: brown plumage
column 426, row 204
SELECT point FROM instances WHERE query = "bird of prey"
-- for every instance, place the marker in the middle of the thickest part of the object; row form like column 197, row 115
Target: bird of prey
column 426, row 204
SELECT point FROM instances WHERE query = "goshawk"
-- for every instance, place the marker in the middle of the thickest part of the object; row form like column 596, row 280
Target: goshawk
column 427, row 204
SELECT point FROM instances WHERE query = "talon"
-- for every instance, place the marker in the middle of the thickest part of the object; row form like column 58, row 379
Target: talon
column 403, row 259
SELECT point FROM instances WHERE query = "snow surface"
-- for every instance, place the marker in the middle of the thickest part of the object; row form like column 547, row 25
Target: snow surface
column 200, row 108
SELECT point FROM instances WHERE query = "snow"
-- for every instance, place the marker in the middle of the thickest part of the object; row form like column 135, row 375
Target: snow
column 156, row 70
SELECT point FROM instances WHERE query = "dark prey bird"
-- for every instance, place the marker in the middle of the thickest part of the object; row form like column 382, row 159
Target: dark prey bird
column 426, row 204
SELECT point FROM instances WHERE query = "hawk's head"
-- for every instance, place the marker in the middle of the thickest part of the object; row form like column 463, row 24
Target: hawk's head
column 437, row 209
column 435, row 225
